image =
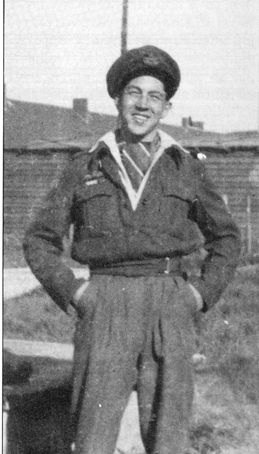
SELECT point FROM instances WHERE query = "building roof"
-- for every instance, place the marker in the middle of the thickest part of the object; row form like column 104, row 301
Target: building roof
column 26, row 123
column 30, row 125
column 240, row 140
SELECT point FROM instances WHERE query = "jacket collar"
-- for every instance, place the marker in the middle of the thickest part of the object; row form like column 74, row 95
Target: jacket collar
column 108, row 159
column 104, row 160
column 110, row 140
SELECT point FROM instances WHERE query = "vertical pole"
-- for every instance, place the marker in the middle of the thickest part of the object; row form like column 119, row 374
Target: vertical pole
column 124, row 27
column 249, row 227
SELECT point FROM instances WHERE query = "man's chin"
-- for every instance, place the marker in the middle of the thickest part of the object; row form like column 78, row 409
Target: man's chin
column 138, row 133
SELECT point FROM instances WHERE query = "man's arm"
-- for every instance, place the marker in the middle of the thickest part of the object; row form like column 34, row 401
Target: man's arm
column 222, row 238
column 43, row 244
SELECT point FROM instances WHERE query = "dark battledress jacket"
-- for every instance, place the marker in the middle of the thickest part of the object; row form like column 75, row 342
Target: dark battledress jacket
column 177, row 202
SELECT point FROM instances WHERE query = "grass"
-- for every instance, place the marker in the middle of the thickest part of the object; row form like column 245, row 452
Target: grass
column 227, row 397
column 230, row 336
column 12, row 251
column 36, row 317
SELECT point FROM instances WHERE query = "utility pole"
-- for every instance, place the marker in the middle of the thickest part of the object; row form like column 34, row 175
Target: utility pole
column 124, row 27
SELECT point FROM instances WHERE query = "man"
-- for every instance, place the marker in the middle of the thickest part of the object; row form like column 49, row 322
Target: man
column 137, row 201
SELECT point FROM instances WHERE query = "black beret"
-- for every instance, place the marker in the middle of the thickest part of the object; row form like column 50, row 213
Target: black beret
column 148, row 61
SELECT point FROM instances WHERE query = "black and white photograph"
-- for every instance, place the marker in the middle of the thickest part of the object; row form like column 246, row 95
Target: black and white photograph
column 130, row 256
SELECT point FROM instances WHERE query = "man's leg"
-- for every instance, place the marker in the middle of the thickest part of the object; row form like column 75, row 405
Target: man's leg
column 165, row 380
column 108, row 342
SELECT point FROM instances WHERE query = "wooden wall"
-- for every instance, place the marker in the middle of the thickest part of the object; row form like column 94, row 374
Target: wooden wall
column 236, row 175
column 28, row 176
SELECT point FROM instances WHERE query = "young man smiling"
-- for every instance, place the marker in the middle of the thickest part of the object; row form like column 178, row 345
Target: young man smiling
column 137, row 201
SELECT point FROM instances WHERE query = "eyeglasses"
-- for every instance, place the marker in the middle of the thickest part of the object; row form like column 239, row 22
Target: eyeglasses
column 155, row 96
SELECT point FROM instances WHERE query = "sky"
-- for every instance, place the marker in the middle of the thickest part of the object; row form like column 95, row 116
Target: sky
column 57, row 50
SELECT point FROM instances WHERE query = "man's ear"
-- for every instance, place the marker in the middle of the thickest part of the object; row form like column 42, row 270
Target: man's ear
column 117, row 102
column 168, row 106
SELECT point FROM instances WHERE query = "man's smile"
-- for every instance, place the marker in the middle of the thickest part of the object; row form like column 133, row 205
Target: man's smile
column 140, row 118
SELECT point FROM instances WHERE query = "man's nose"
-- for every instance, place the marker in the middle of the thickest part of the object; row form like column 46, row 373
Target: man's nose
column 143, row 102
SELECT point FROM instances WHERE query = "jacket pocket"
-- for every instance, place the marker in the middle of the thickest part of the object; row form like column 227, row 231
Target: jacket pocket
column 174, row 196
column 174, row 210
column 95, row 204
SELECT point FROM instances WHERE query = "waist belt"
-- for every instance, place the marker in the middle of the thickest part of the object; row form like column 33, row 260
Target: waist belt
column 152, row 267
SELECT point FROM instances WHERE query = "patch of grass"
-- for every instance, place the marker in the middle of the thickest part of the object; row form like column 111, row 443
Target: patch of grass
column 13, row 251
column 203, row 438
column 230, row 336
column 36, row 317
column 251, row 259
column 220, row 420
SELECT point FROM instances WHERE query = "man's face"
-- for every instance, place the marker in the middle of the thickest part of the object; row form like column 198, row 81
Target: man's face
column 141, row 106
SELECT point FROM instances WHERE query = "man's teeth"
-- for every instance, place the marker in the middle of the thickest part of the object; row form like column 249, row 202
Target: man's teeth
column 140, row 118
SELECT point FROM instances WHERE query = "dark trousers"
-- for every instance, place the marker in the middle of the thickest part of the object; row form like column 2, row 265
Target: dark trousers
column 135, row 332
